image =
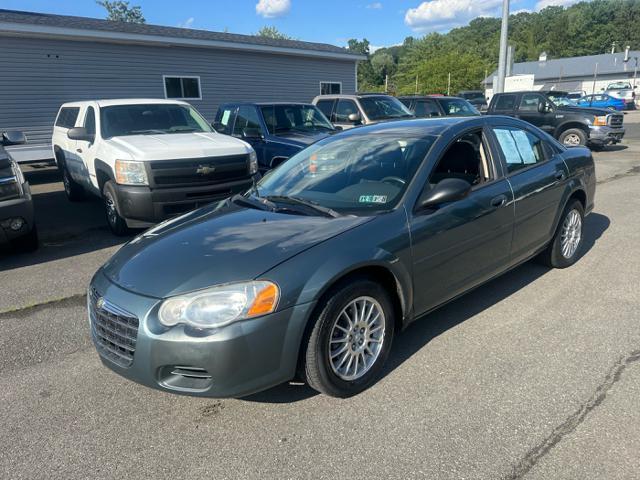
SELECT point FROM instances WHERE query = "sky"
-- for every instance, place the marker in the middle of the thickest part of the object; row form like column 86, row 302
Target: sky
column 383, row 23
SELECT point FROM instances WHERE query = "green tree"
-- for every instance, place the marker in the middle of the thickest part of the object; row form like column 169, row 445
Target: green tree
column 119, row 11
column 272, row 32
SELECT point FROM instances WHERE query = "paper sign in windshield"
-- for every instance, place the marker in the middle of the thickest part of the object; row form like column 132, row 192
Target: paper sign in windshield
column 373, row 199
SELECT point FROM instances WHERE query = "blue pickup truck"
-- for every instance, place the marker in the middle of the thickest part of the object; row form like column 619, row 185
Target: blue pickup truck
column 276, row 131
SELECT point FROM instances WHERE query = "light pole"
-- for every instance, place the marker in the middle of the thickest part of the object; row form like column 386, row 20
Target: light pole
column 502, row 60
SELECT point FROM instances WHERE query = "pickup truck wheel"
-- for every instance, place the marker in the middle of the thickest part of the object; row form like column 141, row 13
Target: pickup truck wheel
column 117, row 224
column 72, row 189
column 350, row 339
column 573, row 137
column 564, row 249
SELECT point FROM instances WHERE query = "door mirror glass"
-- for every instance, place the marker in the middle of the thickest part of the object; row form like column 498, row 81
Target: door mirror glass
column 251, row 133
column 445, row 191
column 81, row 134
column 13, row 137
column 354, row 117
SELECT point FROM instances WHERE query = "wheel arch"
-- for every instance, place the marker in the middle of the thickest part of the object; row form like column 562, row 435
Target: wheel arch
column 104, row 173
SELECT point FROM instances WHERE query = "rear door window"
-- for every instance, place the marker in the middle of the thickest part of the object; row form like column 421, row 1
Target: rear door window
column 90, row 121
column 505, row 102
column 520, row 148
column 326, row 107
column 67, row 117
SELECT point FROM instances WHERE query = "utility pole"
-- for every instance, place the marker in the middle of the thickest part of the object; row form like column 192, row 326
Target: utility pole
column 417, row 83
column 502, row 60
column 595, row 77
column 386, row 84
column 449, row 84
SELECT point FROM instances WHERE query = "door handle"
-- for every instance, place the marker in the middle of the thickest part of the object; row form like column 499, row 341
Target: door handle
column 559, row 175
column 498, row 201
column 79, row 150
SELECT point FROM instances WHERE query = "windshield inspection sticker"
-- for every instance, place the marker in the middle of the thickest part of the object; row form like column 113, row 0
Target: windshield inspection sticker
column 373, row 199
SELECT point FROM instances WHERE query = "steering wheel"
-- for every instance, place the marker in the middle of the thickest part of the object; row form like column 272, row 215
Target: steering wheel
column 399, row 180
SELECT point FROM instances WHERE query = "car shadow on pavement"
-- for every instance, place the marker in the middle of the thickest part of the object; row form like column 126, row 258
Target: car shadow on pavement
column 422, row 331
column 614, row 148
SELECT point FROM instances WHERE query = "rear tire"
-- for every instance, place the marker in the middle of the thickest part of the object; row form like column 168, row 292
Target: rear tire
column 359, row 335
column 564, row 249
column 72, row 189
column 117, row 224
column 573, row 137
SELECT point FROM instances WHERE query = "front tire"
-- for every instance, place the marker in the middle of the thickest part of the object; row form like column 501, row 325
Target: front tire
column 573, row 137
column 350, row 339
column 564, row 249
column 117, row 224
column 72, row 189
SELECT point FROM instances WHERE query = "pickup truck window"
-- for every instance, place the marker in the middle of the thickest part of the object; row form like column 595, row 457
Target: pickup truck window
column 380, row 108
column 505, row 102
column 224, row 120
column 343, row 110
column 326, row 106
column 67, row 117
column 426, row 108
column 530, row 102
column 247, row 118
column 284, row 118
column 520, row 148
column 90, row 121
column 150, row 119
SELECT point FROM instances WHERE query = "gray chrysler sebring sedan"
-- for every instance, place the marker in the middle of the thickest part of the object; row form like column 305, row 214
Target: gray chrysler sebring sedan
column 313, row 271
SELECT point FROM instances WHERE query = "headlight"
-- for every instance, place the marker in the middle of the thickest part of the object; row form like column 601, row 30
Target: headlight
column 253, row 162
column 130, row 172
column 600, row 121
column 18, row 173
column 219, row 306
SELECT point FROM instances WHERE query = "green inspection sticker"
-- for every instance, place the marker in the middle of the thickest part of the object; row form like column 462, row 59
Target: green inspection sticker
column 373, row 199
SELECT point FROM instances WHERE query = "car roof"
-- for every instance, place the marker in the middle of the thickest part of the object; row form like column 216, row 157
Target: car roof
column 434, row 97
column 418, row 126
column 351, row 95
column 267, row 104
column 124, row 101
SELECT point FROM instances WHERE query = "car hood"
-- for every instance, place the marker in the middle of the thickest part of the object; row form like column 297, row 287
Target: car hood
column 302, row 139
column 178, row 145
column 217, row 244
column 586, row 110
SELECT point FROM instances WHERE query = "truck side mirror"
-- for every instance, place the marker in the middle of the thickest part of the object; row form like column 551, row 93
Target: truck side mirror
column 252, row 133
column 354, row 117
column 13, row 137
column 80, row 133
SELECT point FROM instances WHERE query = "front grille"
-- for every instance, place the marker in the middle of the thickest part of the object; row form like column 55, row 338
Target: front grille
column 615, row 120
column 113, row 329
column 198, row 171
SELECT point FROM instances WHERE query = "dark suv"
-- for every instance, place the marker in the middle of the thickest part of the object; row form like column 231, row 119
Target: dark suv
column 17, row 227
column 276, row 131
column 571, row 125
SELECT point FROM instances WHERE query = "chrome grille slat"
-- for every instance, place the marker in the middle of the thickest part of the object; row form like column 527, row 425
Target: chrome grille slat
column 184, row 172
column 114, row 331
column 615, row 120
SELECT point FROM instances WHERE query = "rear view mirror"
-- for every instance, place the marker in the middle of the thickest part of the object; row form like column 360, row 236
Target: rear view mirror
column 13, row 137
column 251, row 133
column 80, row 133
column 354, row 117
column 447, row 190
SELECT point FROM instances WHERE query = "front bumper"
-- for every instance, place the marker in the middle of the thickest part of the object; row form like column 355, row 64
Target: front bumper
column 233, row 361
column 605, row 135
column 18, row 207
column 152, row 205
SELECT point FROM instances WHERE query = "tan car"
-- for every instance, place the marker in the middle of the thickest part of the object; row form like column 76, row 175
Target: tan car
column 348, row 111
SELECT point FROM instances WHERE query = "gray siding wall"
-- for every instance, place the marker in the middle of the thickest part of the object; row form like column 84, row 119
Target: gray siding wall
column 38, row 75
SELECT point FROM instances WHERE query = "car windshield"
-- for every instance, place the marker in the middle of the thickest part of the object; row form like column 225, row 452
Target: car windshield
column 352, row 173
column 284, row 118
column 458, row 107
column 473, row 96
column 621, row 85
column 146, row 119
column 380, row 108
column 564, row 101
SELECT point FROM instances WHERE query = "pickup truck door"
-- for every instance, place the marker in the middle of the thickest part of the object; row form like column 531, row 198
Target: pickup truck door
column 537, row 176
column 463, row 243
column 85, row 171
column 537, row 110
column 248, row 127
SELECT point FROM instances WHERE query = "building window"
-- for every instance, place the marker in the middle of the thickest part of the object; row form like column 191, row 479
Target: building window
column 187, row 88
column 330, row 88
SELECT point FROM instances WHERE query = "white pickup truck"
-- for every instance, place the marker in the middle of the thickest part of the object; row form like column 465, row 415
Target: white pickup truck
column 147, row 159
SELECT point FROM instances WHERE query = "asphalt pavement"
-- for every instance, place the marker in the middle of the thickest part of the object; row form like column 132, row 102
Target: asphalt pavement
column 535, row 375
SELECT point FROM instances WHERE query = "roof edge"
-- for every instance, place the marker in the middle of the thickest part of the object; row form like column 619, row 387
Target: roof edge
column 46, row 31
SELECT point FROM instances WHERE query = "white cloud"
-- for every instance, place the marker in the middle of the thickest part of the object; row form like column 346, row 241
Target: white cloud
column 188, row 23
column 555, row 3
column 273, row 8
column 375, row 5
column 437, row 15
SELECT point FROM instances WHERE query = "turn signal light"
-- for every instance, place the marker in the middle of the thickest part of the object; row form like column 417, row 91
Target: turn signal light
column 600, row 121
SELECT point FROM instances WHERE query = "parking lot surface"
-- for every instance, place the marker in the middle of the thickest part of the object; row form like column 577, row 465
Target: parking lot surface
column 534, row 375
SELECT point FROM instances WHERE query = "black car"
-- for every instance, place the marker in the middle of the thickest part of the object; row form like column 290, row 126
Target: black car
column 17, row 227
column 276, row 131
column 426, row 106
column 475, row 98
column 315, row 270
column 570, row 125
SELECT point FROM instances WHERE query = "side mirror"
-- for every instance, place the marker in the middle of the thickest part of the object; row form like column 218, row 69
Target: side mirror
column 354, row 117
column 252, row 133
column 80, row 133
column 13, row 137
column 447, row 190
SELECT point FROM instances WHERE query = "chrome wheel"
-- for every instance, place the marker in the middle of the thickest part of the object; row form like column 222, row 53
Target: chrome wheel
column 572, row 139
column 571, row 234
column 356, row 338
column 112, row 213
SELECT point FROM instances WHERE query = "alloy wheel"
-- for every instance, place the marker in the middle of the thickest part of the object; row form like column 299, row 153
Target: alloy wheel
column 571, row 139
column 112, row 213
column 571, row 234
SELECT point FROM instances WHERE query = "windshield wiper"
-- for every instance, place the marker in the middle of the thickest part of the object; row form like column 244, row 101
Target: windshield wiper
column 143, row 132
column 326, row 211
column 184, row 129
column 251, row 202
